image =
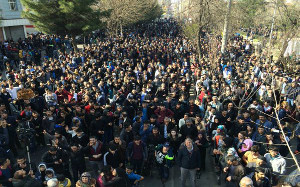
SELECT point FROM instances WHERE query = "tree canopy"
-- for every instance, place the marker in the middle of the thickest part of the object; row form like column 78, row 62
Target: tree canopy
column 64, row 17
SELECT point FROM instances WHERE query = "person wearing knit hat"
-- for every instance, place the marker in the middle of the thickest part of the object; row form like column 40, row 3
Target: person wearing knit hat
column 86, row 180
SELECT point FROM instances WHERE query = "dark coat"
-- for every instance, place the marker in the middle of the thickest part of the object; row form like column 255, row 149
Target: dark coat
column 188, row 160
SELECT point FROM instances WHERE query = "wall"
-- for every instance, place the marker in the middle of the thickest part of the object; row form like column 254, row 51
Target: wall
column 6, row 13
column 14, row 32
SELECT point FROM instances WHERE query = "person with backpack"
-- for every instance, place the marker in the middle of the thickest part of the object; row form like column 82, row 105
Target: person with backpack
column 165, row 160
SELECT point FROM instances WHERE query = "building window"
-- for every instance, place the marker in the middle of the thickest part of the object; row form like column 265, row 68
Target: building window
column 13, row 4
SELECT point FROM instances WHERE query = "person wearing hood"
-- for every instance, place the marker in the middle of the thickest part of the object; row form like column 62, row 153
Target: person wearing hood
column 188, row 161
column 246, row 146
column 49, row 174
column 86, row 180
column 41, row 172
column 202, row 144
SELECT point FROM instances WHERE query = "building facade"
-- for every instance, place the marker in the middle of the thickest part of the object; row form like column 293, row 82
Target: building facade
column 12, row 25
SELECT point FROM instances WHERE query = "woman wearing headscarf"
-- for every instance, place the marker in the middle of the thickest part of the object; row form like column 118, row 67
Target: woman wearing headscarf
column 202, row 144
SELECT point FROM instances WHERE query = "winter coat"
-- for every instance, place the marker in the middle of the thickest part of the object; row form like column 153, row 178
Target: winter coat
column 188, row 160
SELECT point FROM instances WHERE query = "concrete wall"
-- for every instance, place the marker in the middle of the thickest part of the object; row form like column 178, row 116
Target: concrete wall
column 6, row 13
column 14, row 32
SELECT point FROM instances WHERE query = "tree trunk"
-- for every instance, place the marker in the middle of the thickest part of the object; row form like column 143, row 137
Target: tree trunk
column 199, row 35
column 74, row 43
column 286, row 39
column 121, row 30
column 226, row 24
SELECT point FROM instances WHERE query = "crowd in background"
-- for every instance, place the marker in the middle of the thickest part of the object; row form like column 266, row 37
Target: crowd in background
column 127, row 103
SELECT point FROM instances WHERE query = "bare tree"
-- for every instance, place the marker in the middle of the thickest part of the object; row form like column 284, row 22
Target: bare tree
column 124, row 13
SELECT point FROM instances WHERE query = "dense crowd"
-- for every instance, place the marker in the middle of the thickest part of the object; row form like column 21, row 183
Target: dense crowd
column 121, row 107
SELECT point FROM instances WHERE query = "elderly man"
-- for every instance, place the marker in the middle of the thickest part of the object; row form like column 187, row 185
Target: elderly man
column 188, row 160
column 246, row 182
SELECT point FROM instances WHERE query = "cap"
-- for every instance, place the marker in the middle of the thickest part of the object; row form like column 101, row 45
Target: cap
column 188, row 121
column 221, row 127
column 166, row 144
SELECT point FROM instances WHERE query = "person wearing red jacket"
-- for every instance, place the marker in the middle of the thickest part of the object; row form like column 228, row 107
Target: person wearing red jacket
column 163, row 112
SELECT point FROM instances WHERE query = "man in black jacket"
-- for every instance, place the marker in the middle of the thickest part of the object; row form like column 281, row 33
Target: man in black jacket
column 53, row 159
column 188, row 160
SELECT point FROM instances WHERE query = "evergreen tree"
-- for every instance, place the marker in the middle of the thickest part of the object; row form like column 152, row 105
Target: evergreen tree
column 64, row 17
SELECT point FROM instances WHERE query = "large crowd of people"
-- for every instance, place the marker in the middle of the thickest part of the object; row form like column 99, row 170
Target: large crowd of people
column 124, row 106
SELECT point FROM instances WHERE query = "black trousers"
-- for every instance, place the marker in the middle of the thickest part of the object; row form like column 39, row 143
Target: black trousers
column 77, row 170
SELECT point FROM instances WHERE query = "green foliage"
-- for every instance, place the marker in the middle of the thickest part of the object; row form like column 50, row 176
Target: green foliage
column 250, row 9
column 191, row 30
column 288, row 17
column 63, row 17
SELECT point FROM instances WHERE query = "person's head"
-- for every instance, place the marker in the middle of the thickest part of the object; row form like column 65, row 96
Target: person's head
column 269, row 136
column 230, row 106
column 20, row 174
column 188, row 143
column 60, row 177
column 74, row 147
column 85, row 177
column 224, row 112
column 52, row 150
column 254, row 149
column 129, row 169
column 260, row 129
column 241, row 135
column 79, row 132
column 21, row 160
column 117, row 139
column 173, row 132
column 231, row 159
column 52, row 183
column 188, row 122
column 166, row 147
column 247, row 144
column 262, row 118
column 167, row 120
column 155, row 130
column 42, row 167
column 246, row 182
column 220, row 129
column 259, row 173
column 186, row 116
column 49, row 173
column 93, row 140
column 137, row 139
column 273, row 150
column 57, row 134
column 260, row 161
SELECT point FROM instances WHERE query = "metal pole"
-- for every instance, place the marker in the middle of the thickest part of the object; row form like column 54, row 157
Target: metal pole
column 28, row 155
